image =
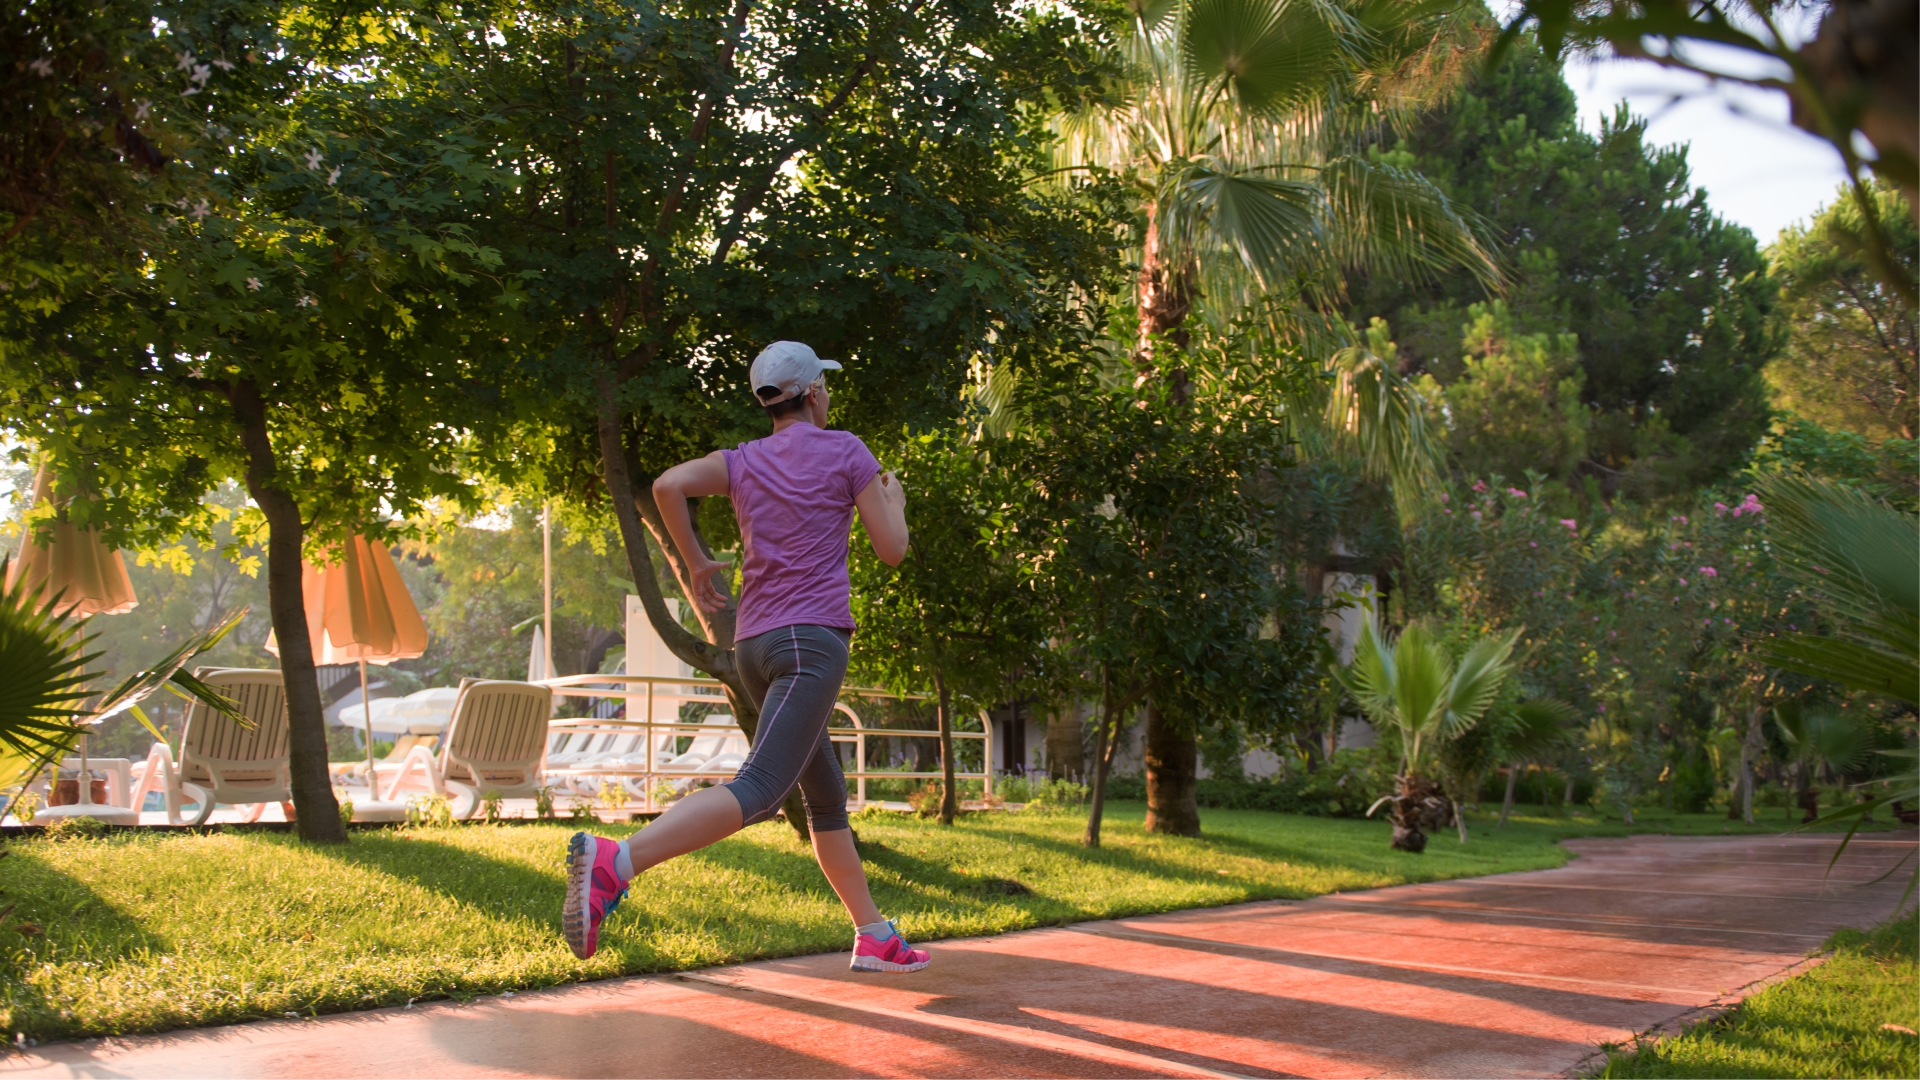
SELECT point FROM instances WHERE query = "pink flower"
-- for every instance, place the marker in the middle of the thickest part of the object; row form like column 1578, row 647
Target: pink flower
column 1720, row 509
column 1476, row 515
column 1571, row 524
column 1516, row 493
column 1532, row 543
column 1708, row 571
column 1479, row 485
column 1444, row 497
column 1683, row 581
column 1601, row 708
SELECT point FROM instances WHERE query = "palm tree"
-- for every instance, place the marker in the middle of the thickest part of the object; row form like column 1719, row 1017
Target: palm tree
column 1412, row 688
column 1243, row 126
column 1537, row 727
column 1821, row 738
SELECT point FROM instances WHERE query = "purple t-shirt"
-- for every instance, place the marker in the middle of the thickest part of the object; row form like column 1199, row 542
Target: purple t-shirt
column 793, row 494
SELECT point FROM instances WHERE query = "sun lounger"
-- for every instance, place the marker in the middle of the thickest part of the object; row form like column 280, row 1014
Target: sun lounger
column 221, row 761
column 495, row 743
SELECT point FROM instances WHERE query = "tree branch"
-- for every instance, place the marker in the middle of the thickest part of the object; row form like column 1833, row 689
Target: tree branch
column 730, row 232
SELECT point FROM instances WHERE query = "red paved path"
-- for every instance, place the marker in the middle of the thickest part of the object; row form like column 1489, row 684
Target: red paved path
column 1515, row 975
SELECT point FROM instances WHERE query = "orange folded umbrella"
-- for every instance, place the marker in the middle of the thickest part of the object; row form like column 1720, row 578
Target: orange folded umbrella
column 75, row 568
column 359, row 610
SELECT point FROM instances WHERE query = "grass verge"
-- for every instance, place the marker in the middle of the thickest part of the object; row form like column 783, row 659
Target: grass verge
column 139, row 933
column 1842, row 1019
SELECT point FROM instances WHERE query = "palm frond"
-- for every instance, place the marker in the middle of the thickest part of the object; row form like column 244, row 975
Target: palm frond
column 1425, row 674
column 138, row 686
column 1269, row 225
column 1271, row 56
column 1540, row 725
column 1477, row 680
column 1861, row 561
column 1824, row 736
column 1376, row 415
column 1860, row 555
column 1853, row 664
column 43, row 680
column 1398, row 222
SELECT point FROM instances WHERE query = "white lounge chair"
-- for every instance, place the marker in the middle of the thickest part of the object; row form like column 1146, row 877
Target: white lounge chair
column 496, row 742
column 722, row 754
column 221, row 761
column 610, row 754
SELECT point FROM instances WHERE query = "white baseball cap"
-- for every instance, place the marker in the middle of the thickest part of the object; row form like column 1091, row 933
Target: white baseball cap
column 785, row 369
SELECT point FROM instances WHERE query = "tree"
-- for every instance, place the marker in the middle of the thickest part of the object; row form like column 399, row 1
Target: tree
column 93, row 106
column 1240, row 127
column 958, row 615
column 1515, row 406
column 691, row 180
column 1151, row 542
column 1241, row 124
column 1670, row 305
column 1850, row 362
column 1408, row 685
column 304, row 330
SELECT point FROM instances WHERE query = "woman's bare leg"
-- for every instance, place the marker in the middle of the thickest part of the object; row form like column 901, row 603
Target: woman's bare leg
column 840, row 861
column 697, row 820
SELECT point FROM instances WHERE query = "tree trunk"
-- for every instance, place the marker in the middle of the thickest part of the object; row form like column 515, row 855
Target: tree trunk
column 1739, row 786
column 1066, row 750
column 1411, row 812
column 1165, row 296
column 1172, row 760
column 317, row 813
column 1459, row 819
column 715, row 660
column 1097, row 805
column 1749, row 750
column 943, row 706
column 1566, row 799
column 1506, row 805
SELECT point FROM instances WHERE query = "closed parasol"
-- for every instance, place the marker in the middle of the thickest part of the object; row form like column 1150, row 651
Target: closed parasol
column 358, row 610
column 74, row 568
column 80, row 575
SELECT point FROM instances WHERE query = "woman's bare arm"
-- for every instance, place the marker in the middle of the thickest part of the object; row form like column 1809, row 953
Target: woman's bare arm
column 693, row 479
column 883, row 512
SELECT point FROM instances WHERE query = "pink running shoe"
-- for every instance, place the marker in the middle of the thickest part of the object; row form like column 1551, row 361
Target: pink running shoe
column 893, row 954
column 593, row 891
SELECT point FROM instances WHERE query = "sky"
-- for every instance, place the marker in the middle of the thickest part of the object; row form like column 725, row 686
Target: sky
column 1758, row 169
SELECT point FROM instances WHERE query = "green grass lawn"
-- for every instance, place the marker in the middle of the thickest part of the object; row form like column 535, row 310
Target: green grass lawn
column 1829, row 1022
column 150, row 932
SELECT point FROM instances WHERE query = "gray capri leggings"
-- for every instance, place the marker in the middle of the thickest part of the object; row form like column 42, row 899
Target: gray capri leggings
column 793, row 674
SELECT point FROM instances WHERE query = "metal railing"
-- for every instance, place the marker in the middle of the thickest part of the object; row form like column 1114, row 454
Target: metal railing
column 648, row 694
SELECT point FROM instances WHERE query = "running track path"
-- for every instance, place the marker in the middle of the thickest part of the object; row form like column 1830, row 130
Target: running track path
column 1514, row 975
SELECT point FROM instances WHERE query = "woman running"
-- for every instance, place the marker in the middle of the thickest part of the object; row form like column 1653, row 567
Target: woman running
column 794, row 493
